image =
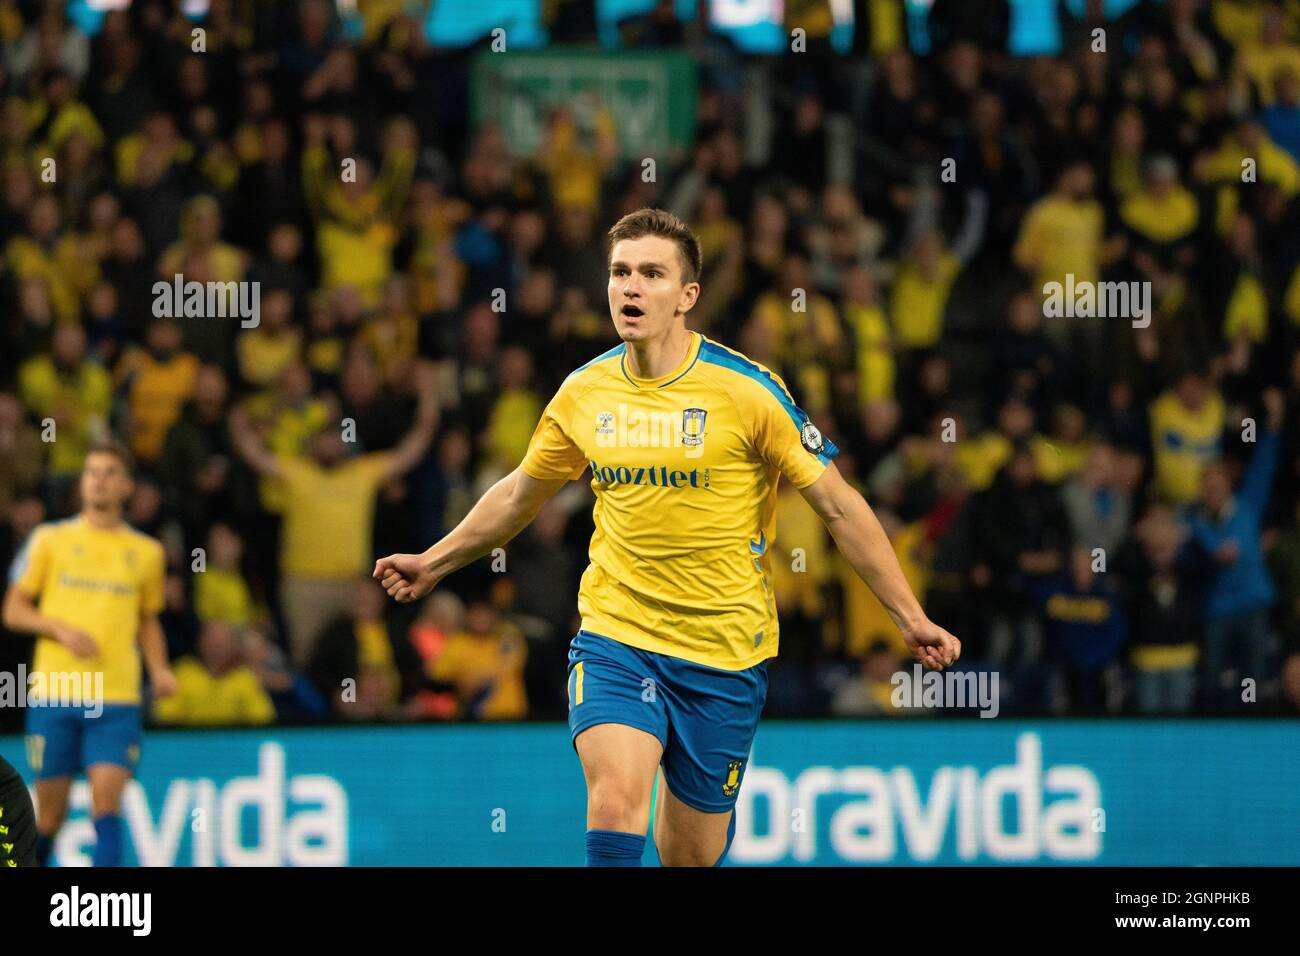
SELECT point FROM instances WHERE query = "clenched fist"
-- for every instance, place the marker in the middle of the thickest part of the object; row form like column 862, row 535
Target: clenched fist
column 406, row 577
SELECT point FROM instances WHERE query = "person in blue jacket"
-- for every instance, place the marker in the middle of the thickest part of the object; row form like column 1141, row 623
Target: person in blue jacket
column 1226, row 529
column 1086, row 626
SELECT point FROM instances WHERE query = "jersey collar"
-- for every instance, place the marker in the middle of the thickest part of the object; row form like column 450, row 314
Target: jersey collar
column 692, row 355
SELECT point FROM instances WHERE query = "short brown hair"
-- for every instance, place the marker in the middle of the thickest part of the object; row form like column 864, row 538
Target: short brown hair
column 111, row 446
column 659, row 222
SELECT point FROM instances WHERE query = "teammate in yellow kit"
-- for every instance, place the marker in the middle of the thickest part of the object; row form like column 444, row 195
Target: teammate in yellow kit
column 90, row 588
column 686, row 441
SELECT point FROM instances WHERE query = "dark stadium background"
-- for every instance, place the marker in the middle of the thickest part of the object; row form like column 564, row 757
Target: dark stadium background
column 880, row 208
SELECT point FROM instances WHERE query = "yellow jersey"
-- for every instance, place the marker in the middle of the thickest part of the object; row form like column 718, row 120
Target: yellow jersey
column 1164, row 220
column 918, row 302
column 222, row 595
column 488, row 671
column 78, row 402
column 329, row 515
column 1059, row 237
column 685, row 469
column 510, row 425
column 1184, row 441
column 100, row 581
column 158, row 392
column 202, row 698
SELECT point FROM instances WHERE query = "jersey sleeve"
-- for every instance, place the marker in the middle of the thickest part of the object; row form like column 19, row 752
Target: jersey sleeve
column 552, row 453
column 785, row 436
column 32, row 563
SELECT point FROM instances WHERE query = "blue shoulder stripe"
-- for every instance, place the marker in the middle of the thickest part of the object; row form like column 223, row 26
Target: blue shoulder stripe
column 616, row 350
column 19, row 563
column 717, row 355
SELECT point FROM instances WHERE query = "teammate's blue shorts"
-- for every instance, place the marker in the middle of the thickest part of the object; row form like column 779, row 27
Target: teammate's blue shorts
column 64, row 741
column 705, row 717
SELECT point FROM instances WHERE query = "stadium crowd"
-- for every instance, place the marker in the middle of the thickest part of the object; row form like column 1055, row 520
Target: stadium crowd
column 1106, row 509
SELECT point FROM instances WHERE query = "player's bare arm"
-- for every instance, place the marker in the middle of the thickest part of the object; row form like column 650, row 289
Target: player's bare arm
column 22, row 616
column 504, row 511
column 863, row 542
column 153, row 649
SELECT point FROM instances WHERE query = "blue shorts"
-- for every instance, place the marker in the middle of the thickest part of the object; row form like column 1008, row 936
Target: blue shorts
column 64, row 741
column 705, row 717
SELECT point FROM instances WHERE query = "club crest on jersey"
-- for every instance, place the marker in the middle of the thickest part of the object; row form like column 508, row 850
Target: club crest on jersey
column 693, row 431
column 732, row 783
column 637, row 426
column 811, row 437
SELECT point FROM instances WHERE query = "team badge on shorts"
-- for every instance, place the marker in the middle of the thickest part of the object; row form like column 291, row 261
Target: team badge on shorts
column 733, row 779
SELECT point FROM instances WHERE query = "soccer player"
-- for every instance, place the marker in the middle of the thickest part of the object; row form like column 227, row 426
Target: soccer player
column 686, row 441
column 17, row 819
column 90, row 588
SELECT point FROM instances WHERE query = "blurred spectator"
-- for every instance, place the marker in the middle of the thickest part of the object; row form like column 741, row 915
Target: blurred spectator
column 72, row 391
column 1261, row 59
column 329, row 513
column 43, row 252
column 360, row 663
column 215, row 687
column 1163, row 602
column 195, row 465
column 514, row 415
column 1062, row 243
column 1020, row 536
column 266, row 351
column 872, row 335
column 1186, row 425
column 157, row 381
column 1097, row 502
column 485, row 663
column 1062, row 233
column 1086, row 627
column 1282, row 118
column 220, row 593
column 439, row 618
column 929, row 267
column 1240, row 593
column 352, row 215
column 1027, row 362
column 869, row 693
column 22, row 454
column 296, row 698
